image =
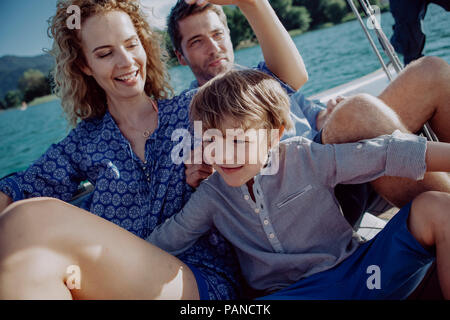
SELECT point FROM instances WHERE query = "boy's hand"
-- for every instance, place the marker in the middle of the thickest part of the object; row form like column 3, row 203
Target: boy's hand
column 196, row 173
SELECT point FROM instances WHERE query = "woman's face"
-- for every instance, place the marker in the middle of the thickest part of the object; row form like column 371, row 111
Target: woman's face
column 114, row 54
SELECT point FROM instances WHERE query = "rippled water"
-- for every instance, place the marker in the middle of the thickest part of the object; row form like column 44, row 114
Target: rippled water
column 333, row 56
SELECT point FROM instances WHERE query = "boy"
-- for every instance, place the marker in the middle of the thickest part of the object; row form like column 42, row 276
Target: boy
column 279, row 210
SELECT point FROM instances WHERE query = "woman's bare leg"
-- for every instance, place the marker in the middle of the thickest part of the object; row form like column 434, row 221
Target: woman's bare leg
column 429, row 223
column 52, row 250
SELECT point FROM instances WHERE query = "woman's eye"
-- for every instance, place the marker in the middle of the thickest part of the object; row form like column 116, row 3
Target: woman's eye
column 103, row 55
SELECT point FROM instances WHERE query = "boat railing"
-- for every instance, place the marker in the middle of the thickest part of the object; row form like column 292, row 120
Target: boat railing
column 388, row 49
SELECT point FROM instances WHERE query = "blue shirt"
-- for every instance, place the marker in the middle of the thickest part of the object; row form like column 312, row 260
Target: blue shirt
column 294, row 228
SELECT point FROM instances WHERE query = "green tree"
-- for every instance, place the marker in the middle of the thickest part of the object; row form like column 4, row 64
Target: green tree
column 240, row 29
column 335, row 10
column 297, row 18
column 315, row 8
column 13, row 98
column 33, row 84
column 2, row 104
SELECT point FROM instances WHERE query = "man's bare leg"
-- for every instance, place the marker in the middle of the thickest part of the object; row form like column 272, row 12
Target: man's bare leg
column 421, row 93
column 363, row 117
column 44, row 241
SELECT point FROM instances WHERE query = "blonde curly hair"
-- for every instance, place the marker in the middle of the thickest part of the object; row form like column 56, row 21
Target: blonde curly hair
column 81, row 96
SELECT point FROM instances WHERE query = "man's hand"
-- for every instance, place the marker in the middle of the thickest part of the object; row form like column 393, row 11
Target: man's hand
column 325, row 114
column 196, row 173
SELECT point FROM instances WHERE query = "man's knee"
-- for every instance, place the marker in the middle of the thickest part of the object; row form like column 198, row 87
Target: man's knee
column 361, row 116
column 433, row 71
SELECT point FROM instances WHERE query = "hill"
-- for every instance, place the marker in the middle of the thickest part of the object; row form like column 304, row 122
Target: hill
column 13, row 67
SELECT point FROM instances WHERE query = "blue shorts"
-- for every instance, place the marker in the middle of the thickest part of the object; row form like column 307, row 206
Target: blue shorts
column 390, row 266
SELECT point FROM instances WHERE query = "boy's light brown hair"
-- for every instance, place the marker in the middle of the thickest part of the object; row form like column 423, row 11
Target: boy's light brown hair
column 253, row 99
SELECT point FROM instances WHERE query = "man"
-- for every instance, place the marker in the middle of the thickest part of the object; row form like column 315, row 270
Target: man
column 420, row 94
column 408, row 38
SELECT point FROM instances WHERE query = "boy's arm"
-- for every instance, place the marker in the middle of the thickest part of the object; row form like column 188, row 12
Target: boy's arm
column 398, row 155
column 438, row 156
column 181, row 231
column 280, row 53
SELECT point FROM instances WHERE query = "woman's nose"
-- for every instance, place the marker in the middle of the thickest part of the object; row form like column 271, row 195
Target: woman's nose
column 125, row 58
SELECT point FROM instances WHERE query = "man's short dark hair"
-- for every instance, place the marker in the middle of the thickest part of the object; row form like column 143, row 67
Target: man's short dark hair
column 182, row 10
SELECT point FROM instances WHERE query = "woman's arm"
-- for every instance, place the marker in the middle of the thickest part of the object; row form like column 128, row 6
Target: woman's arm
column 438, row 156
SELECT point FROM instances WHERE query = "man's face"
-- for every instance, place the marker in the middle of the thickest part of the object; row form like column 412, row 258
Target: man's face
column 206, row 46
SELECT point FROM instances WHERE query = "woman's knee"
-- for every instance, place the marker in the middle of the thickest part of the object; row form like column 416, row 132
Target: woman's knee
column 27, row 215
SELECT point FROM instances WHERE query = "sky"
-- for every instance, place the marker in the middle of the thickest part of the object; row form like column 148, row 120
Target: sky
column 23, row 23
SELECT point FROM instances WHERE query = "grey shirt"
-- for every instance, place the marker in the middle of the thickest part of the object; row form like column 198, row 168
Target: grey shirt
column 295, row 227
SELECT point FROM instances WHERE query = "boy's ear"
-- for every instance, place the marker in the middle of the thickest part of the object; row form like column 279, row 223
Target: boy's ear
column 181, row 58
column 281, row 131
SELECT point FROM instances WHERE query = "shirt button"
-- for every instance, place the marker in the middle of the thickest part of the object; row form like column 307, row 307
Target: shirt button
column 271, row 235
column 359, row 146
column 257, row 210
column 144, row 168
column 246, row 197
column 266, row 222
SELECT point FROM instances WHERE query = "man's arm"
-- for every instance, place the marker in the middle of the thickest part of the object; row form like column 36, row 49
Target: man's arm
column 285, row 62
column 4, row 201
column 280, row 53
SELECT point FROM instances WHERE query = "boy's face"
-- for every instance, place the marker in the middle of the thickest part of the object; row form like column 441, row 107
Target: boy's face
column 206, row 46
column 238, row 157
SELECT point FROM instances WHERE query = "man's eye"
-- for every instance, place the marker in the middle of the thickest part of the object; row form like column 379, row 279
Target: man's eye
column 195, row 42
column 240, row 141
column 218, row 35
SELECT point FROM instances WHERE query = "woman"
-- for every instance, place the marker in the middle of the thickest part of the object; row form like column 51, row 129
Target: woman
column 110, row 75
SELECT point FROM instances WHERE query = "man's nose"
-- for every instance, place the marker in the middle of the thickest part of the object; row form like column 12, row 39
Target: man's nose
column 213, row 46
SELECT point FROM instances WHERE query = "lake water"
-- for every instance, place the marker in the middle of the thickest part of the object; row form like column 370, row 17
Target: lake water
column 333, row 56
